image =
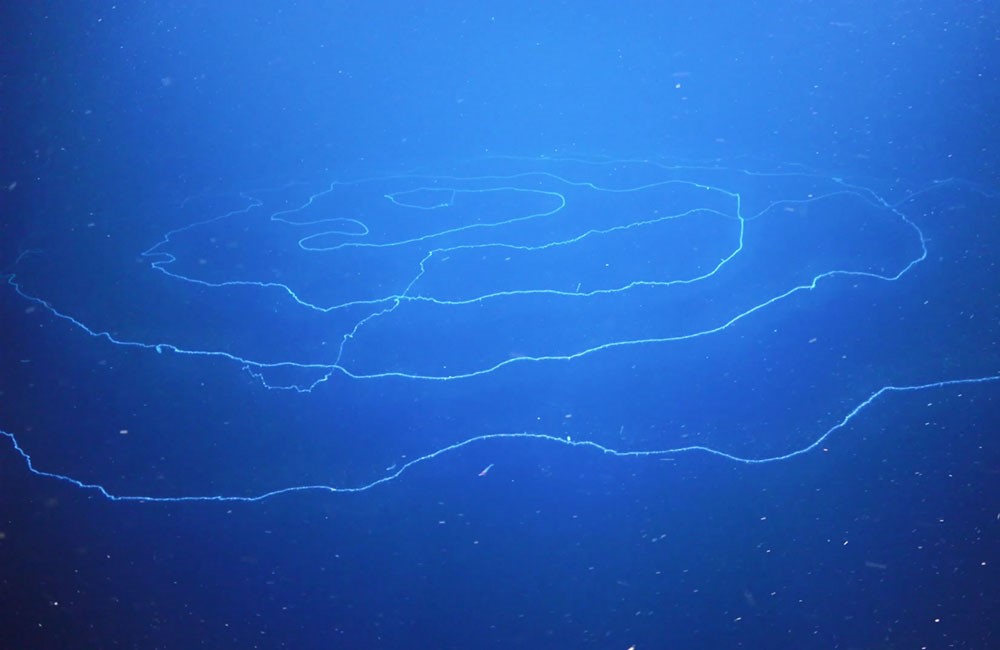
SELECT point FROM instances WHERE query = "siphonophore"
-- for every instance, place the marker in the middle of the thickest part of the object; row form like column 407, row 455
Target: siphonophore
column 634, row 309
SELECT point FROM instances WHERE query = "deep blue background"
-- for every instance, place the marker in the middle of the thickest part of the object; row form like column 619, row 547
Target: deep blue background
column 113, row 115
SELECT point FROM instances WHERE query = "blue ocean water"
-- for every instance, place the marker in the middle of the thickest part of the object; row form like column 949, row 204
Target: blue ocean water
column 545, row 325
